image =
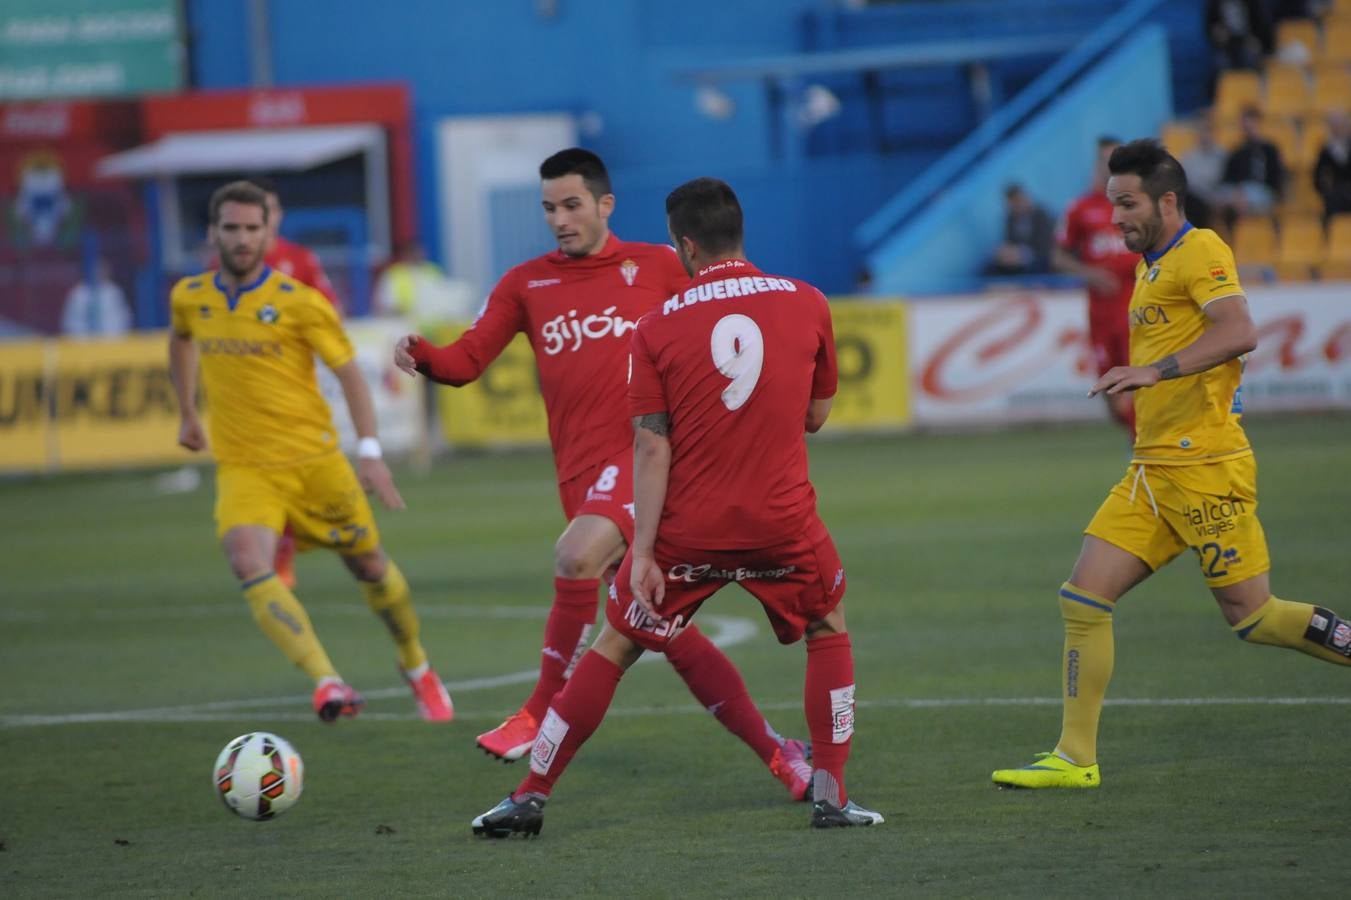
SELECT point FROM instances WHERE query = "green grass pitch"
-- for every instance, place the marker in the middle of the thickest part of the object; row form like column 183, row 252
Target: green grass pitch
column 129, row 659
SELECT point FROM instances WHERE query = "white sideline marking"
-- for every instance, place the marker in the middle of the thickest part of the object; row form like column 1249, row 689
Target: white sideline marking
column 200, row 712
column 724, row 631
column 241, row 611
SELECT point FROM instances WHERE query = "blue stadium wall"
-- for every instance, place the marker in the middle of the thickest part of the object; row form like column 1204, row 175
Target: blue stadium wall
column 615, row 62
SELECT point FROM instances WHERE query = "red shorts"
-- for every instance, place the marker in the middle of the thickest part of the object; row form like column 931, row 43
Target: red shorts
column 797, row 583
column 1111, row 347
column 603, row 490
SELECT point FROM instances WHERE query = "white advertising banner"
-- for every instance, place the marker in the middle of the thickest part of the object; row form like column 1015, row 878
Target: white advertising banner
column 1018, row 357
column 1303, row 355
column 398, row 399
column 1024, row 357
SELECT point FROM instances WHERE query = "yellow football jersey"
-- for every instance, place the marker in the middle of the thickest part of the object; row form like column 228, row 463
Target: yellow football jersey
column 256, row 352
column 1193, row 419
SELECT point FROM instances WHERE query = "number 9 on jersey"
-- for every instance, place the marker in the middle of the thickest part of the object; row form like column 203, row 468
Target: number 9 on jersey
column 739, row 353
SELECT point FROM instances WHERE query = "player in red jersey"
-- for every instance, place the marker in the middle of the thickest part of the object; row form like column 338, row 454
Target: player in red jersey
column 578, row 306
column 1091, row 247
column 298, row 261
column 727, row 375
column 303, row 265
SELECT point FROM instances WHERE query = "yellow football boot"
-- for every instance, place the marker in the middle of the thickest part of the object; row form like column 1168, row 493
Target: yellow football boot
column 1049, row 771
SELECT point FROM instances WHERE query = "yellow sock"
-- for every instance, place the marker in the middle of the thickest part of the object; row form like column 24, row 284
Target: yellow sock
column 1299, row 626
column 1089, row 654
column 390, row 599
column 284, row 621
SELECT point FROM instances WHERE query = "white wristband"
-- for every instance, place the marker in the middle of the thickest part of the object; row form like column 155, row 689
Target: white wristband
column 368, row 448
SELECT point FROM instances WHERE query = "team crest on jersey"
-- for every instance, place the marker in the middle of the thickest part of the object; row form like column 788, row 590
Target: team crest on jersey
column 1218, row 271
column 629, row 269
column 204, row 311
column 1152, row 275
column 268, row 314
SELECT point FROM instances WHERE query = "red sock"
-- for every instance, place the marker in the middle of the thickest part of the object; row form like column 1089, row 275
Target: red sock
column 572, row 718
column 573, row 613
column 717, row 684
column 828, row 700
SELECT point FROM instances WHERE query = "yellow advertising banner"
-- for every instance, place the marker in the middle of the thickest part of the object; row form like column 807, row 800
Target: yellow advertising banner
column 87, row 404
column 503, row 407
column 24, row 403
column 870, row 349
column 115, row 404
column 105, row 404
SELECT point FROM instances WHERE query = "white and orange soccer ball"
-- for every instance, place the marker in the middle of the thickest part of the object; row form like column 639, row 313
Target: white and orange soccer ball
column 259, row 775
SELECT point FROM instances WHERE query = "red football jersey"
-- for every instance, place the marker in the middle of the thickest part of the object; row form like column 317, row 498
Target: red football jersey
column 735, row 358
column 300, row 263
column 1087, row 232
column 578, row 314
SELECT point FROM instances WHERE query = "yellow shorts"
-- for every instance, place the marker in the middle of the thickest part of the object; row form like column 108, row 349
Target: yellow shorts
column 321, row 500
column 1156, row 512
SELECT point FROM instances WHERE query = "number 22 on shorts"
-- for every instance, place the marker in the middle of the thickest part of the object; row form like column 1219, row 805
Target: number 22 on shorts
column 738, row 348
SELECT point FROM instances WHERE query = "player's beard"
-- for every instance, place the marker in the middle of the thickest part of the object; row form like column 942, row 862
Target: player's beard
column 685, row 262
column 1144, row 235
column 239, row 264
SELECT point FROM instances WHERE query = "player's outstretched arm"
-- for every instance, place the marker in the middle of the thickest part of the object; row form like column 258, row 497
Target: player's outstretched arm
column 403, row 353
column 1231, row 333
column 464, row 360
column 651, row 470
column 374, row 475
column 183, row 370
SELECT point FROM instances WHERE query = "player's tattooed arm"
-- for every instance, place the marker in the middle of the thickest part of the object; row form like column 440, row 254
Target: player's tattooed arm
column 657, row 423
column 1168, row 367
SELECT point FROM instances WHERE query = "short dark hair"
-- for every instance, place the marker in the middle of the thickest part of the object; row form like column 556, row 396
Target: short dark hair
column 265, row 184
column 236, row 192
column 1159, row 172
column 576, row 161
column 707, row 212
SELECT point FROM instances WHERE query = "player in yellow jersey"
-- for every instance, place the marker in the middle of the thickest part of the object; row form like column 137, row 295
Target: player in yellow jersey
column 256, row 333
column 1192, row 479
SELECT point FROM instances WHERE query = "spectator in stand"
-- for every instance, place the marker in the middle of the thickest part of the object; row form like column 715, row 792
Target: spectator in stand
column 1254, row 174
column 1204, row 165
column 1029, row 236
column 1240, row 33
column 1332, row 172
column 97, row 310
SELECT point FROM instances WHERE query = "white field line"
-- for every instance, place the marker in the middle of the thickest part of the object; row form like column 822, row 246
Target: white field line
column 241, row 611
column 232, row 713
column 724, row 631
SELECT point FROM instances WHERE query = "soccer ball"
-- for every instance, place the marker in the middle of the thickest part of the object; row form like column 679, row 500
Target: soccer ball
column 259, row 775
